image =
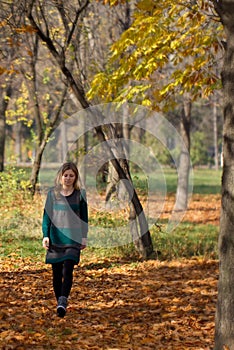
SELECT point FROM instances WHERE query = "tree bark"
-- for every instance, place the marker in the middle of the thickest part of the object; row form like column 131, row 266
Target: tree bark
column 224, row 323
column 17, row 136
column 2, row 133
column 184, row 165
column 5, row 95
column 36, row 166
column 215, row 131
column 216, row 151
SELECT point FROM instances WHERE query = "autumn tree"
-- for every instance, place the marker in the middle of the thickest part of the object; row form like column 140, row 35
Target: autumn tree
column 6, row 92
column 162, row 60
column 224, row 328
column 60, row 49
column 13, row 113
column 33, row 101
column 7, row 74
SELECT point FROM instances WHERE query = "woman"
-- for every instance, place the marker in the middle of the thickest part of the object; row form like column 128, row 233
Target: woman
column 65, row 227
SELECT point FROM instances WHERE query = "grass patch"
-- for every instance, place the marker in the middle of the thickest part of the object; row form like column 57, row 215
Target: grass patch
column 207, row 181
column 21, row 236
column 186, row 241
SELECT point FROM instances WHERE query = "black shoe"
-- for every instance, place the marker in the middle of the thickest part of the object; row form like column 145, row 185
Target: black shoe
column 62, row 306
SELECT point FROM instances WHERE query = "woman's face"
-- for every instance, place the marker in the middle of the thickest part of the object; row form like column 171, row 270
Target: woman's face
column 68, row 178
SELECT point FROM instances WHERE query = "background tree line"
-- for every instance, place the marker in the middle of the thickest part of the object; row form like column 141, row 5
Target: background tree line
column 35, row 76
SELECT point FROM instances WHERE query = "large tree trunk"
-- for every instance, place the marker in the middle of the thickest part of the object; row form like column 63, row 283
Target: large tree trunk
column 137, row 220
column 184, row 165
column 224, row 325
column 116, row 189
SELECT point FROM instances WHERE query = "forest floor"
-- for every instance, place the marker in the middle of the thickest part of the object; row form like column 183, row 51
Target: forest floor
column 114, row 304
column 202, row 209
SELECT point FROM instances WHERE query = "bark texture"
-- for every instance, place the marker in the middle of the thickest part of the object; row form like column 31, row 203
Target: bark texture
column 5, row 95
column 224, row 326
column 184, row 166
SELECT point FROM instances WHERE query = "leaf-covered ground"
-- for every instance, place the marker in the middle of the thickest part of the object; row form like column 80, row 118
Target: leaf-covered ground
column 114, row 305
column 147, row 305
column 202, row 209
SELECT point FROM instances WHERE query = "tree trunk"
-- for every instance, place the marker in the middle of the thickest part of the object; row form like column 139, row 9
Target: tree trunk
column 5, row 95
column 132, row 212
column 135, row 230
column 64, row 148
column 36, row 166
column 43, row 130
column 2, row 134
column 184, row 165
column 115, row 189
column 215, row 131
column 224, row 325
column 17, row 137
column 82, row 148
column 120, row 171
column 143, row 243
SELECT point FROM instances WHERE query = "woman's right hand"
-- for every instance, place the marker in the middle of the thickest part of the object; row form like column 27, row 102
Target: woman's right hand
column 46, row 242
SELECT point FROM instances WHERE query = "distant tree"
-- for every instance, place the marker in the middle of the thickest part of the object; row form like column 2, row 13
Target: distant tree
column 7, row 74
column 5, row 93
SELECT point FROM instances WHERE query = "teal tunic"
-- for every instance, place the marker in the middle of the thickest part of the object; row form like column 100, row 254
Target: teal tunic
column 65, row 222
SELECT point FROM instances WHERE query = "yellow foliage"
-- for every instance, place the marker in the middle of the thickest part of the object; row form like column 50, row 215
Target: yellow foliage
column 25, row 29
column 162, row 35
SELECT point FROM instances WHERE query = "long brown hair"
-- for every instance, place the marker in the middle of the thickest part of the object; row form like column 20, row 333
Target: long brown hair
column 66, row 166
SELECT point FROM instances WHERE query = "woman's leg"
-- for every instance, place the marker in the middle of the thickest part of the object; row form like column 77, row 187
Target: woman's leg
column 68, row 268
column 62, row 283
column 57, row 279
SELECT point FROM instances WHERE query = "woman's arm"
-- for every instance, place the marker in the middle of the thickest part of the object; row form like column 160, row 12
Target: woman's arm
column 84, row 218
column 46, row 221
column 84, row 243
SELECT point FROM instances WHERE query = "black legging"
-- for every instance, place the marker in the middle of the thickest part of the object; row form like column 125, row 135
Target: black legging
column 63, row 277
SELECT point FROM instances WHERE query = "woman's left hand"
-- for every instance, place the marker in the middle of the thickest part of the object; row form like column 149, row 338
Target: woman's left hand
column 84, row 243
column 46, row 242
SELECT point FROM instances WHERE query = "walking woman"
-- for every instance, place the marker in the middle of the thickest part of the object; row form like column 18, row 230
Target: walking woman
column 65, row 227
